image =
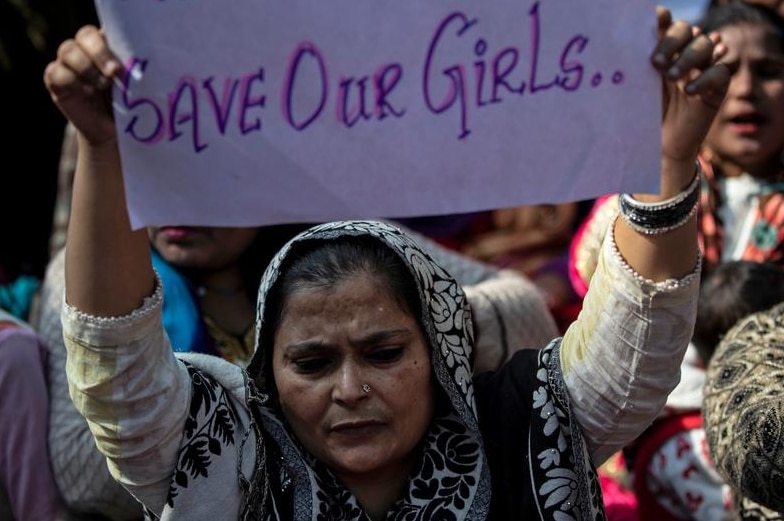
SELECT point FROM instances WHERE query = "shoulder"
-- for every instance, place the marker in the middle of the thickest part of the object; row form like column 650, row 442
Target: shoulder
column 587, row 242
column 221, row 373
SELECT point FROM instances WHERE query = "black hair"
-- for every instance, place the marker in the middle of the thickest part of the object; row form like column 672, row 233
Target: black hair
column 269, row 240
column 732, row 13
column 731, row 291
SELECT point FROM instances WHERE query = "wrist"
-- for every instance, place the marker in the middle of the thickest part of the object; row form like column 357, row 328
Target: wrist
column 664, row 215
column 677, row 175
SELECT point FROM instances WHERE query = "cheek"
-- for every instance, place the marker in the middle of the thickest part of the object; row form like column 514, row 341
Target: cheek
column 413, row 387
column 776, row 94
column 714, row 132
column 299, row 403
column 296, row 398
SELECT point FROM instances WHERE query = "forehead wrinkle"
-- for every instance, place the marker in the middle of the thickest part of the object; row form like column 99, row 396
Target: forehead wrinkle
column 376, row 337
column 368, row 340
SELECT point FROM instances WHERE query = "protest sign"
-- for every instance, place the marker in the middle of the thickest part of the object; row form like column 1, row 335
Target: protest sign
column 256, row 112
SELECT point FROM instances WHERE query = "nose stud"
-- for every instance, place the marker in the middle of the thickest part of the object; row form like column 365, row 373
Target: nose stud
column 365, row 388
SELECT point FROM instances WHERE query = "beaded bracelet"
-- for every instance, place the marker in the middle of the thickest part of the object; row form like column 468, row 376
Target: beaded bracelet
column 663, row 216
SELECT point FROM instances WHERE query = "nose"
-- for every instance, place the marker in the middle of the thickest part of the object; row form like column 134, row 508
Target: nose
column 743, row 83
column 348, row 383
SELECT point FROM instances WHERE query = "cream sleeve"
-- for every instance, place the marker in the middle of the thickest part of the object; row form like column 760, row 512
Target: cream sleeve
column 124, row 379
column 622, row 356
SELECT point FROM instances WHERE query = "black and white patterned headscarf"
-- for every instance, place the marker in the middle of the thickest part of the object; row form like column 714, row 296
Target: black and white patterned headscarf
column 453, row 481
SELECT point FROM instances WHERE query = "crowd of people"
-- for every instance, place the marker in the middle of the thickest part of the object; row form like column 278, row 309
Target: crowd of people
column 618, row 358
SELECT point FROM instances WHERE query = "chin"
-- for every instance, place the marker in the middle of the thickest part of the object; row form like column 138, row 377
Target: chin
column 365, row 462
column 180, row 259
column 360, row 456
column 745, row 153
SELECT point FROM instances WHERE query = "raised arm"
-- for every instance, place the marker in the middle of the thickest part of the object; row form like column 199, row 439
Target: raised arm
column 137, row 423
column 621, row 358
column 108, row 268
column 693, row 87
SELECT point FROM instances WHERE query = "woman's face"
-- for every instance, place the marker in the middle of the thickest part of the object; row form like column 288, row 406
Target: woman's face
column 749, row 128
column 332, row 342
column 201, row 248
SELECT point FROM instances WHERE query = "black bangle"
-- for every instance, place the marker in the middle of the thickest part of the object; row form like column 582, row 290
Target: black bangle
column 661, row 217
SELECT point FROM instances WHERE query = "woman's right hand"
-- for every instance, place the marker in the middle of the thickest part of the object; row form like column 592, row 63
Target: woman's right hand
column 108, row 271
column 79, row 81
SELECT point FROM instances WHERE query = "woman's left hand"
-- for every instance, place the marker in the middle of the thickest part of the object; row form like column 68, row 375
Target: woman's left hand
column 694, row 86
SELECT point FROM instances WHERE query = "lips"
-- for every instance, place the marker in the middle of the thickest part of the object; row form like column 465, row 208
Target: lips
column 747, row 122
column 358, row 428
column 750, row 117
column 177, row 232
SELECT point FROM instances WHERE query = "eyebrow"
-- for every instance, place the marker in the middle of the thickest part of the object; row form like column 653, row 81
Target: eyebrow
column 381, row 336
column 302, row 348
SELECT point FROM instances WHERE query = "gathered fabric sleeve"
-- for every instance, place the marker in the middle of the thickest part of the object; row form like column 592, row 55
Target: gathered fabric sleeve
column 621, row 358
column 124, row 379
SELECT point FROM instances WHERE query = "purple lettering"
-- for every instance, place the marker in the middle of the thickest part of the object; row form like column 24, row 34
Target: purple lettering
column 190, row 99
column 187, row 86
column 535, row 44
column 567, row 67
column 157, row 131
column 384, row 81
column 305, row 49
column 479, row 69
column 359, row 111
column 456, row 73
column 221, row 109
column 500, row 73
column 248, row 100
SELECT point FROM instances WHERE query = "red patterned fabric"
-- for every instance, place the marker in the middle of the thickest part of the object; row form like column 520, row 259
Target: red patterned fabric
column 767, row 239
column 650, row 508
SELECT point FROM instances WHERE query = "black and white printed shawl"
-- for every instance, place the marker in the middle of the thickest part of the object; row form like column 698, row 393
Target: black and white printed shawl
column 279, row 480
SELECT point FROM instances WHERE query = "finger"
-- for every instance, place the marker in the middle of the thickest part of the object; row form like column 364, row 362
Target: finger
column 698, row 54
column 93, row 42
column 711, row 85
column 675, row 38
column 61, row 81
column 663, row 20
column 72, row 59
column 719, row 49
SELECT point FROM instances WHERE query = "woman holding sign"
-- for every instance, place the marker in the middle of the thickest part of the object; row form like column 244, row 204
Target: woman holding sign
column 359, row 402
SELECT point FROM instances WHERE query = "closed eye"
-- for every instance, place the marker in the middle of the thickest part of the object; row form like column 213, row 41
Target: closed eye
column 310, row 365
column 769, row 69
column 386, row 355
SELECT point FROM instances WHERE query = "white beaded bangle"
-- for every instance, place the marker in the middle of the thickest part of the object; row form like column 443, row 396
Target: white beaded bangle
column 662, row 216
column 667, row 203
